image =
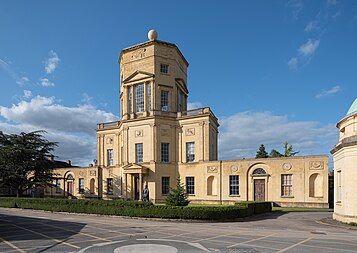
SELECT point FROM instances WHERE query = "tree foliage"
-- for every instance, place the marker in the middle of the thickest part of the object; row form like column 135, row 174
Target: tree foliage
column 274, row 153
column 178, row 195
column 261, row 153
column 25, row 160
column 288, row 150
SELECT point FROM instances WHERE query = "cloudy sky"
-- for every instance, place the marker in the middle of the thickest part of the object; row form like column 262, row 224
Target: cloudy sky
column 272, row 71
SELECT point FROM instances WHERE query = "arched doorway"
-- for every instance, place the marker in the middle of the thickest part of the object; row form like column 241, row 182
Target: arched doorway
column 211, row 185
column 259, row 184
column 315, row 185
column 70, row 185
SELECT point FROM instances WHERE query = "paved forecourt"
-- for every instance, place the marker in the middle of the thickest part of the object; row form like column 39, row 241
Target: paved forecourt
column 38, row 231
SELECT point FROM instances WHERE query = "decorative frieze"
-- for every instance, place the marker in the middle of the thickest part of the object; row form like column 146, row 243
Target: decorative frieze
column 190, row 131
column 234, row 169
column 316, row 165
column 212, row 169
column 139, row 133
column 286, row 166
column 138, row 54
column 92, row 173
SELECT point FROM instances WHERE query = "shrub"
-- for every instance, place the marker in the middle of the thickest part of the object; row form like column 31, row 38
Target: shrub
column 178, row 196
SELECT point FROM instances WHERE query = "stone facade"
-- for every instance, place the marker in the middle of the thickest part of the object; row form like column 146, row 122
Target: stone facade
column 345, row 171
column 158, row 140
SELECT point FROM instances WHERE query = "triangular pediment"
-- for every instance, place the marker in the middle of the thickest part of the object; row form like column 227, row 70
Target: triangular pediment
column 135, row 168
column 137, row 76
column 181, row 83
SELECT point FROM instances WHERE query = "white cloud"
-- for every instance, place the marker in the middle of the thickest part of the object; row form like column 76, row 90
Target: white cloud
column 309, row 47
column 73, row 127
column 46, row 83
column 329, row 92
column 27, row 94
column 86, row 98
column 293, row 63
column 311, row 26
column 52, row 62
column 296, row 7
column 193, row 105
column 241, row 135
column 22, row 80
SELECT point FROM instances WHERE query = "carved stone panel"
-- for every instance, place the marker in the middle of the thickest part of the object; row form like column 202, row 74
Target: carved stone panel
column 139, row 133
column 234, row 169
column 317, row 165
column 212, row 169
column 190, row 131
column 109, row 140
column 138, row 54
column 93, row 173
column 165, row 132
column 81, row 173
column 286, row 166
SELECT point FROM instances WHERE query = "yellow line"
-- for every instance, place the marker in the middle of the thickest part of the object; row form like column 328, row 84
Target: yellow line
column 46, row 236
column 294, row 245
column 253, row 240
column 12, row 245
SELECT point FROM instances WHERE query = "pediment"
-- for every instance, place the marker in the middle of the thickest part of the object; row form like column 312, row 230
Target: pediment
column 135, row 168
column 137, row 76
column 181, row 83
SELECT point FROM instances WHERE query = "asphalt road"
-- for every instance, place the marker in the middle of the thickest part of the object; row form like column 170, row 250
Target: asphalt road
column 38, row 231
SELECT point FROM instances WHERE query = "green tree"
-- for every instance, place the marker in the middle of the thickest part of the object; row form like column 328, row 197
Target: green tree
column 288, row 150
column 25, row 161
column 178, row 195
column 261, row 153
column 275, row 153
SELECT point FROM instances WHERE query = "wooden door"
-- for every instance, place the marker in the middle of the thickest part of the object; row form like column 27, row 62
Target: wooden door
column 259, row 190
column 70, row 188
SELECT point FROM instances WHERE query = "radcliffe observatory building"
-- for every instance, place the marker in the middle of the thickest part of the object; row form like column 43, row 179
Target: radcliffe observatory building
column 158, row 140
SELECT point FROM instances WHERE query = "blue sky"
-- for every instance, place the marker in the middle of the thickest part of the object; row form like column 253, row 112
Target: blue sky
column 272, row 71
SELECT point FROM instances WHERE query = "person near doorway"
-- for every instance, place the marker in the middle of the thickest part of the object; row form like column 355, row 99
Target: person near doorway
column 146, row 194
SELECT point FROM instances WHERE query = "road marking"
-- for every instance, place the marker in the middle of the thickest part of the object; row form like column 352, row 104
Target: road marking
column 12, row 245
column 245, row 242
column 217, row 236
column 296, row 244
column 48, row 237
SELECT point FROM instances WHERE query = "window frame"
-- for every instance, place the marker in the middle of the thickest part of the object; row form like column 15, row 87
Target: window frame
column 110, row 160
column 130, row 97
column 287, row 185
column 339, row 186
column 81, row 185
column 190, row 152
column 139, row 98
column 58, row 185
column 164, row 68
column 190, row 185
column 233, row 185
column 164, row 100
column 165, row 155
column 139, row 153
column 165, row 185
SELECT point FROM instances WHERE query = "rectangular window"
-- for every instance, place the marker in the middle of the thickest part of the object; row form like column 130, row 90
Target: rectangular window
column 164, row 68
column 190, row 185
column 110, row 186
column 81, row 185
column 130, row 96
column 179, row 100
column 233, row 185
column 148, row 95
column 165, row 183
column 165, row 152
column 164, row 100
column 286, row 185
column 339, row 186
column 138, row 152
column 190, row 152
column 110, row 157
column 139, row 97
column 58, row 185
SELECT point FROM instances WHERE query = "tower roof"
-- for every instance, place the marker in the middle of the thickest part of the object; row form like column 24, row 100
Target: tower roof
column 353, row 108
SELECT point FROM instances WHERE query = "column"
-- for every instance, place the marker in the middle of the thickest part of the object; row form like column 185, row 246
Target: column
column 125, row 188
column 145, row 97
column 140, row 186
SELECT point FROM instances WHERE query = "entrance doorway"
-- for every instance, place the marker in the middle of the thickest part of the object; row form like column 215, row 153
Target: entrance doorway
column 259, row 190
column 136, row 188
column 70, row 188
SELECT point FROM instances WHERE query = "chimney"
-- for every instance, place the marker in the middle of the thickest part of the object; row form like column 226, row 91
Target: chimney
column 69, row 162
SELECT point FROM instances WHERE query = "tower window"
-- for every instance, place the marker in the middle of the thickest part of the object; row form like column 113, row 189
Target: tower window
column 190, row 152
column 164, row 68
column 164, row 100
column 165, row 152
column 179, row 100
column 110, row 157
column 139, row 97
column 138, row 152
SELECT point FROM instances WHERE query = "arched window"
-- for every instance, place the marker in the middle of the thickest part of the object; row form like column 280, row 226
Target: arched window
column 70, row 177
column 259, row 171
column 91, row 186
column 211, row 186
column 315, row 185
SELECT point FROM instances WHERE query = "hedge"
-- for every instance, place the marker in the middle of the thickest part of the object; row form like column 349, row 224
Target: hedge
column 256, row 207
column 136, row 209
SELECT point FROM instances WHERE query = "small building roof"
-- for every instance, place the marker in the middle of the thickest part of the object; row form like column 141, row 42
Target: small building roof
column 353, row 108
